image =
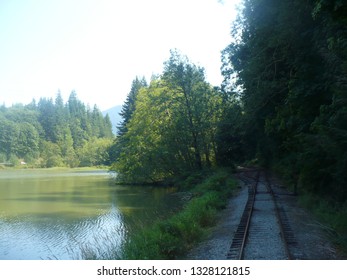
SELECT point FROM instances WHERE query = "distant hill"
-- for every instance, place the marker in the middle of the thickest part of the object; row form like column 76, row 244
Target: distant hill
column 114, row 116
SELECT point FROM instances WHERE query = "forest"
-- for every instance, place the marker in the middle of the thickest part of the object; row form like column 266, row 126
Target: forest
column 287, row 73
column 282, row 104
column 54, row 134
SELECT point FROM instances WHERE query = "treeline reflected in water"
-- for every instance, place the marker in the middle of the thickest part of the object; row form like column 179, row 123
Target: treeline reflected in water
column 73, row 215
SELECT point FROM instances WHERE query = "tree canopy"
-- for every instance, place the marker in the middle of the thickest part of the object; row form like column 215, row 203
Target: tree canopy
column 290, row 71
column 172, row 128
column 50, row 133
column 282, row 102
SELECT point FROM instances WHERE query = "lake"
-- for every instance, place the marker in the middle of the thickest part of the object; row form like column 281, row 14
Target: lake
column 73, row 214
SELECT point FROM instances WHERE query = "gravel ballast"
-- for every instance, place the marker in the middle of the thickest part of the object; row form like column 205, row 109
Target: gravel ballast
column 310, row 235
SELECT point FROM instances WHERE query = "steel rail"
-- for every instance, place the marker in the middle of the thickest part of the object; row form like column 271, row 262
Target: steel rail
column 279, row 218
column 254, row 191
column 236, row 250
column 240, row 238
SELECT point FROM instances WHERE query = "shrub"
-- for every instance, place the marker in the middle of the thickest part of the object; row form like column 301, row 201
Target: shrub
column 173, row 237
column 332, row 214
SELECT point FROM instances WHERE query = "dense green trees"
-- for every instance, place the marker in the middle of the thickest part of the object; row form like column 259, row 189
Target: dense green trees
column 50, row 133
column 128, row 107
column 126, row 113
column 171, row 131
column 283, row 103
column 290, row 72
column 19, row 134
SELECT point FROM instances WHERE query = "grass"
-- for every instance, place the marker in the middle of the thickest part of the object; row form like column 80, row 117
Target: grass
column 333, row 216
column 174, row 237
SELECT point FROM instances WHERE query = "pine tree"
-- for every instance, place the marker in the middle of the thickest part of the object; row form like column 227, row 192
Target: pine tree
column 128, row 107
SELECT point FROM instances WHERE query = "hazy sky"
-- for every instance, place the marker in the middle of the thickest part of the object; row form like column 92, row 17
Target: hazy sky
column 97, row 47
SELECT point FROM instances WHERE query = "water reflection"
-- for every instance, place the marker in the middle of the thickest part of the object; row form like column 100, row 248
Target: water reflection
column 69, row 215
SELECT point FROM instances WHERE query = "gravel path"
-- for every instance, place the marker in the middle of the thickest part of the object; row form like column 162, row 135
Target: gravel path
column 217, row 245
column 264, row 242
column 311, row 237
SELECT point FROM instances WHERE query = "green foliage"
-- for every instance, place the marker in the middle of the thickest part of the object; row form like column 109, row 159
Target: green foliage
column 330, row 214
column 50, row 154
column 191, row 179
column 128, row 107
column 172, row 129
column 230, row 135
column 28, row 140
column 172, row 238
column 126, row 113
column 94, row 152
column 51, row 134
column 287, row 71
column 8, row 137
column 143, row 157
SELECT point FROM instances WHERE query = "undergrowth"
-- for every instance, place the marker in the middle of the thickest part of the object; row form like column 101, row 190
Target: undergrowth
column 330, row 214
column 173, row 237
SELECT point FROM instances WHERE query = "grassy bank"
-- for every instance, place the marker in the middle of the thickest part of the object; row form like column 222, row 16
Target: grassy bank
column 332, row 216
column 173, row 237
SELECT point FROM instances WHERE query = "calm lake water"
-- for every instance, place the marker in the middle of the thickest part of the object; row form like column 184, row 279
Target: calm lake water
column 50, row 214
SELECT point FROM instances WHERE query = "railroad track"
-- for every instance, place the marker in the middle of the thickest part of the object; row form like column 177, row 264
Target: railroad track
column 264, row 231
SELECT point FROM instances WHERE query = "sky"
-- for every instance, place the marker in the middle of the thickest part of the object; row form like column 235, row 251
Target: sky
column 97, row 47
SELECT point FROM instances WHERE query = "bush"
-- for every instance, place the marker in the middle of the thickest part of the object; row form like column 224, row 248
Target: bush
column 331, row 214
column 173, row 237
